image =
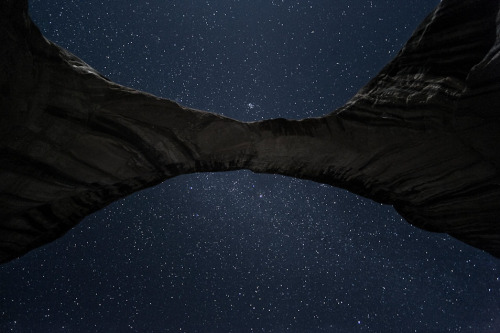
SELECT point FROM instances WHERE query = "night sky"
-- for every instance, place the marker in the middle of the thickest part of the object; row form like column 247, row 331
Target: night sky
column 237, row 251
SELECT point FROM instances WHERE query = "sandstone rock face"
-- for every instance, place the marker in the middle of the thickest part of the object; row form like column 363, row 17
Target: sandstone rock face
column 422, row 135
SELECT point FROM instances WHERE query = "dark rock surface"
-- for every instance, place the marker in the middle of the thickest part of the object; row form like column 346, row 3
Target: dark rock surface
column 422, row 135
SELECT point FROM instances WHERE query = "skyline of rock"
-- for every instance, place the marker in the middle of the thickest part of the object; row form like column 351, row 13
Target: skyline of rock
column 420, row 136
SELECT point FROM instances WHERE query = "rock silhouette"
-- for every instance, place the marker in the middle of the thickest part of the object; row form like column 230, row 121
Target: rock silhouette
column 422, row 135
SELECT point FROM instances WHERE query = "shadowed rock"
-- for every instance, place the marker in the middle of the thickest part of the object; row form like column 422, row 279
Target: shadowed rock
column 422, row 135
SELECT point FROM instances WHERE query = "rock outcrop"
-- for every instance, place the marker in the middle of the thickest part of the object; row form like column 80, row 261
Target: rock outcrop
column 422, row 135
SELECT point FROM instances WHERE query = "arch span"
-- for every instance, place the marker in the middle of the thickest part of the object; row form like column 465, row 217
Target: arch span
column 422, row 135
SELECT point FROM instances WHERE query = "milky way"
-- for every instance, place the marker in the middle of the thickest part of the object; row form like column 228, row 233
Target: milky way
column 241, row 252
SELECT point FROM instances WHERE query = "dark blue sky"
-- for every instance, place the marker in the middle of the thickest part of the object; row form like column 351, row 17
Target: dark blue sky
column 240, row 252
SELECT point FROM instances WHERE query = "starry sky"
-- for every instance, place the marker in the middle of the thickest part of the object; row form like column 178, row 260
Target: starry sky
column 237, row 251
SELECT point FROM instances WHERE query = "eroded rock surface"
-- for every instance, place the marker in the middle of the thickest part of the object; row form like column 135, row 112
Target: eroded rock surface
column 422, row 135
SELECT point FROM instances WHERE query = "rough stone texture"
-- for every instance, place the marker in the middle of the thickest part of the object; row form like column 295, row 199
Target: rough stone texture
column 422, row 135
